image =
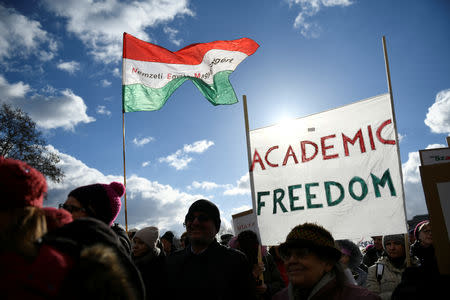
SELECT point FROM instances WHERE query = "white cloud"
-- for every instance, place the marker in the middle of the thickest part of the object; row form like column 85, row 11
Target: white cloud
column 101, row 109
column 401, row 137
column 204, row 185
column 414, row 197
column 242, row 187
column 100, row 24
column 198, row 147
column 438, row 116
column 180, row 160
column 172, row 34
column 69, row 66
column 116, row 72
column 15, row 90
column 310, row 8
column 22, row 36
column 240, row 209
column 148, row 202
column 145, row 164
column 63, row 109
column 105, row 83
column 143, row 141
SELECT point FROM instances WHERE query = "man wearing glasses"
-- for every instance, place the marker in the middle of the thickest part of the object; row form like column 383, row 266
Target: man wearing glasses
column 206, row 269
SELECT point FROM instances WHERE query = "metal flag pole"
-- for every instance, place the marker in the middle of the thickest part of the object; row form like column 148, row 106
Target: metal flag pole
column 249, row 152
column 388, row 76
column 123, row 142
column 124, row 171
column 250, row 174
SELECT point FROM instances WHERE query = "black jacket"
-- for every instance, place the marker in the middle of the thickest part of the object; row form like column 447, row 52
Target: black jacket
column 152, row 269
column 123, row 237
column 217, row 273
column 86, row 278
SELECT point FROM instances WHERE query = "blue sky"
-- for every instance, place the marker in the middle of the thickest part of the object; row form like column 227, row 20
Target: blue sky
column 61, row 63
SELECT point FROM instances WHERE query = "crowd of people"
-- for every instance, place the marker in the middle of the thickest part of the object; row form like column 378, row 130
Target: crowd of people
column 77, row 251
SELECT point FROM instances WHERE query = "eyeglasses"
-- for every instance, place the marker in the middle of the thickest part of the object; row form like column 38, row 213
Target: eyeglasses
column 296, row 252
column 200, row 218
column 71, row 208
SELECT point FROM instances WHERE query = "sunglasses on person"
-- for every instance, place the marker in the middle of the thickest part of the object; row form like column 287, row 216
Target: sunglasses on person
column 71, row 208
column 200, row 218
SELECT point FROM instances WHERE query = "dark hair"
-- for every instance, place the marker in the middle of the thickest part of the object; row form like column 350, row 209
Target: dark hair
column 355, row 256
column 274, row 253
column 206, row 206
column 94, row 199
column 248, row 243
column 168, row 236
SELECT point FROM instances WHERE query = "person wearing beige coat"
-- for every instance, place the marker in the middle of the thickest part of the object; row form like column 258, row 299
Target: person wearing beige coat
column 390, row 267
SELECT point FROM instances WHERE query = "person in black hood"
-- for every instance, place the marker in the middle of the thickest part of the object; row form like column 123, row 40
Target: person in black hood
column 206, row 269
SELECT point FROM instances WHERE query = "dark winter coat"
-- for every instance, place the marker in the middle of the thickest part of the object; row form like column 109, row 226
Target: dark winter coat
column 100, row 258
column 152, row 269
column 272, row 277
column 426, row 257
column 218, row 272
column 371, row 256
column 123, row 237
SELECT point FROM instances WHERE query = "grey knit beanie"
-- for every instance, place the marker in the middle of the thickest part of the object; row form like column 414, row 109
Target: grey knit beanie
column 397, row 238
column 149, row 235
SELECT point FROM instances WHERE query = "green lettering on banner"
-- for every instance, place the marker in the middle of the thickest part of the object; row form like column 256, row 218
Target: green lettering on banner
column 293, row 198
column 261, row 203
column 382, row 182
column 364, row 189
column 330, row 201
column 277, row 199
column 310, row 196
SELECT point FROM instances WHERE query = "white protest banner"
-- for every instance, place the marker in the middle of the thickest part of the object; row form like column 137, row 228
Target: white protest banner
column 338, row 168
column 245, row 220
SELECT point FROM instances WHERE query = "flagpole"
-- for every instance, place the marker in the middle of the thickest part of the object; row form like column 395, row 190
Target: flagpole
column 250, row 173
column 249, row 151
column 123, row 140
column 124, row 171
column 388, row 76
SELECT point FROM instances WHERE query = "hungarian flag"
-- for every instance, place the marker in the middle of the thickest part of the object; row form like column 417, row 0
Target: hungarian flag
column 150, row 73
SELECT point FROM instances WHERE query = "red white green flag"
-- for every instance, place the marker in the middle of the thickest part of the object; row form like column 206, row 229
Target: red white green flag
column 150, row 73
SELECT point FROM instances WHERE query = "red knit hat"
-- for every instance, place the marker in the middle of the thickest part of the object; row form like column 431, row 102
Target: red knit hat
column 21, row 185
column 56, row 217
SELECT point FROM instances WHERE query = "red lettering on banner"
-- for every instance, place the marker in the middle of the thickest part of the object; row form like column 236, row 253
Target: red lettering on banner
column 346, row 140
column 324, row 148
column 372, row 143
column 289, row 153
column 257, row 158
column 384, row 124
column 303, row 146
column 267, row 155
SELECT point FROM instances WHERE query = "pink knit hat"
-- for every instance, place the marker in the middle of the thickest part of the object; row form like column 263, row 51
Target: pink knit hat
column 115, row 190
column 419, row 227
column 21, row 185
column 101, row 201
